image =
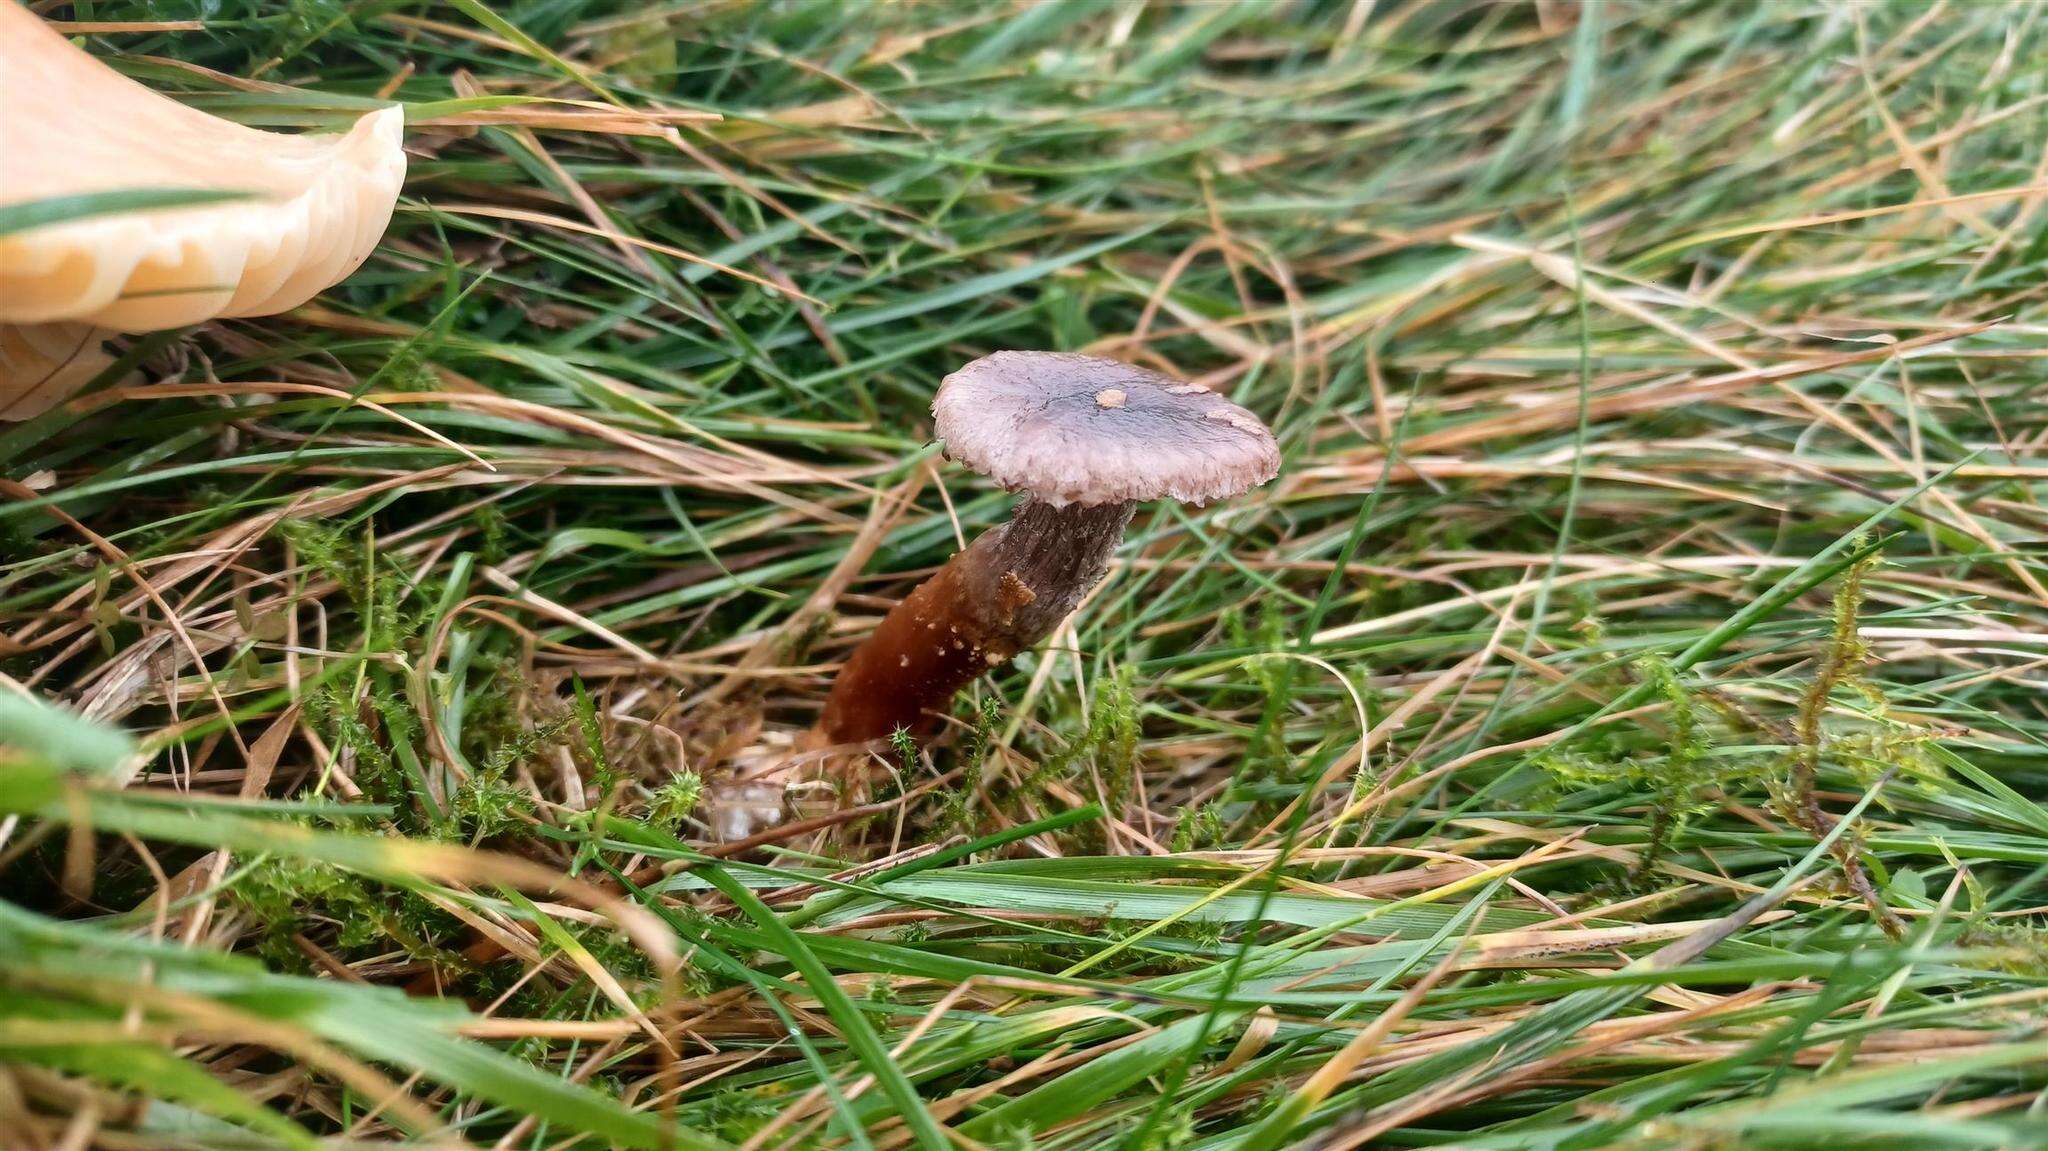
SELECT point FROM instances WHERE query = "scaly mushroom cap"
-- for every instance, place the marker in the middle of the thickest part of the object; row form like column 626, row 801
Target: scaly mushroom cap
column 1084, row 430
column 73, row 125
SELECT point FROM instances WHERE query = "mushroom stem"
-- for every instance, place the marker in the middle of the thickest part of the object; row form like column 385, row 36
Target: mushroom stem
column 1007, row 591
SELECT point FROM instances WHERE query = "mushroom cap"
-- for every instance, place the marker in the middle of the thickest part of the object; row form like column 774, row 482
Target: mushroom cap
column 72, row 125
column 1084, row 430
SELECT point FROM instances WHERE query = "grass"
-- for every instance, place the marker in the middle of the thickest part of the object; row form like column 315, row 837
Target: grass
column 1623, row 724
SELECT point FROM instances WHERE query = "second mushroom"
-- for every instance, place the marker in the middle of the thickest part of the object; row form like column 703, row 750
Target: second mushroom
column 311, row 208
column 1084, row 440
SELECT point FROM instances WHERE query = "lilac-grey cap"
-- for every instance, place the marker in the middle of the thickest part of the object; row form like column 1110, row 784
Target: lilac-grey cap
column 1070, row 429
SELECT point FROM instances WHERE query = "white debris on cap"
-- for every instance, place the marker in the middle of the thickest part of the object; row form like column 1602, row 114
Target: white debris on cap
column 1036, row 422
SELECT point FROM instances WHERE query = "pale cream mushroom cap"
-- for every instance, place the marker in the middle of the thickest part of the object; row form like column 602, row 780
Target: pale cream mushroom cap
column 1071, row 429
column 70, row 125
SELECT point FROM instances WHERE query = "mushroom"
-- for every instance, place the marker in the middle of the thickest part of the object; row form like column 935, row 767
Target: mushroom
column 40, row 364
column 72, row 126
column 1085, row 440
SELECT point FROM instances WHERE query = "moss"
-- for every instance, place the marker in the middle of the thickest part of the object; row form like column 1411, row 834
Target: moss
column 349, row 916
column 1683, row 779
column 485, row 807
column 377, row 588
column 1201, row 828
column 674, row 799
